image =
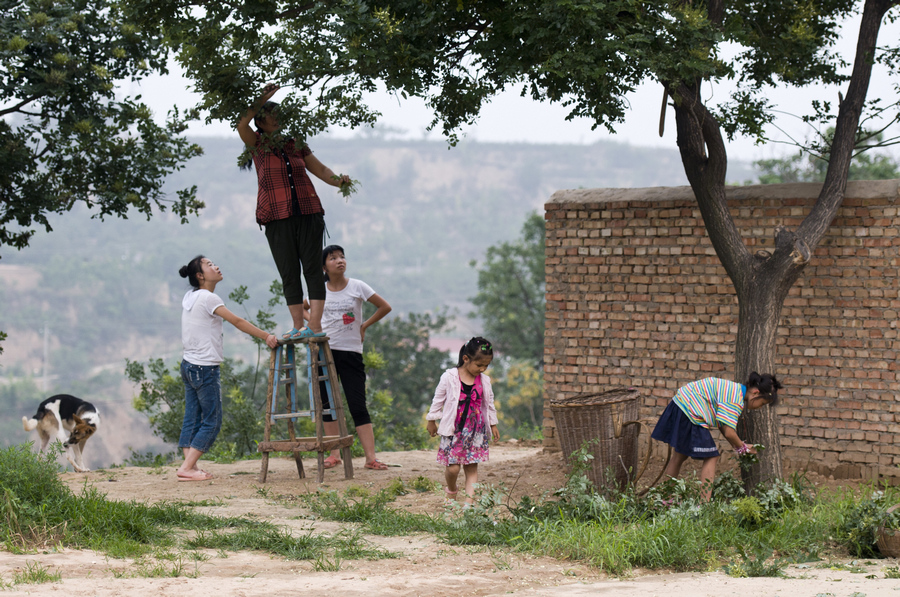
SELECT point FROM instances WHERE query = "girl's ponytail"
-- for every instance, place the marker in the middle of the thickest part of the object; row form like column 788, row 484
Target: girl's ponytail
column 474, row 347
column 191, row 270
column 767, row 385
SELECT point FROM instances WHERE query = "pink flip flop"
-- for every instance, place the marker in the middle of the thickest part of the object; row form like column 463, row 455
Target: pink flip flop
column 197, row 475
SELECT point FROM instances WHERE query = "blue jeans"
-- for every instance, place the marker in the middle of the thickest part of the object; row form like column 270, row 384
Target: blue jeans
column 202, row 406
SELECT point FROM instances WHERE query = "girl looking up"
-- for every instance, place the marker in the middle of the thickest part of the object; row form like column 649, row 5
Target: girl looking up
column 346, row 330
column 706, row 404
column 464, row 405
column 201, row 333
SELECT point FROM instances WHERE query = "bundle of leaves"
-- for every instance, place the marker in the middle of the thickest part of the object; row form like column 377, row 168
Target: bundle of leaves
column 747, row 460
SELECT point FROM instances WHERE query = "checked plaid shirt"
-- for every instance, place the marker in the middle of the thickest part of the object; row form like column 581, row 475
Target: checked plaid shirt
column 284, row 186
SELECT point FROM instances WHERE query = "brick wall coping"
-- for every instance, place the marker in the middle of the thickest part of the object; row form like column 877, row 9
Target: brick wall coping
column 856, row 189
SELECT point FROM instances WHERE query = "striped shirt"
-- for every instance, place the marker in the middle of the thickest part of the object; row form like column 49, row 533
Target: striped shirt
column 285, row 189
column 712, row 402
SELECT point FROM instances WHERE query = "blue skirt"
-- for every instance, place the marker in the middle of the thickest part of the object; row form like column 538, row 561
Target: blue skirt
column 677, row 430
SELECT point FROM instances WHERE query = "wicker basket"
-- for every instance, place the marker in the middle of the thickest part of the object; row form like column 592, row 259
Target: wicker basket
column 888, row 540
column 603, row 417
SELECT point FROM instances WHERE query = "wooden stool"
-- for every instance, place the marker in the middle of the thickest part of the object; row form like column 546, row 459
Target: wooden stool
column 283, row 373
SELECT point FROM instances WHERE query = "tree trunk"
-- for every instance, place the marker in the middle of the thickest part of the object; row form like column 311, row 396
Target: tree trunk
column 760, row 304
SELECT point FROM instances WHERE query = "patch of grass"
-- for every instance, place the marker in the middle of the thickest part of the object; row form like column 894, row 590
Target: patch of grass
column 371, row 511
column 891, row 572
column 37, row 510
column 281, row 542
column 34, row 574
column 169, row 566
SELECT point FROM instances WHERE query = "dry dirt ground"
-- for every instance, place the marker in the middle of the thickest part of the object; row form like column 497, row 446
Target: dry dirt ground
column 425, row 565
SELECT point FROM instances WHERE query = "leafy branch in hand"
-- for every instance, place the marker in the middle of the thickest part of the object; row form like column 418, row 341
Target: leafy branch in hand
column 347, row 188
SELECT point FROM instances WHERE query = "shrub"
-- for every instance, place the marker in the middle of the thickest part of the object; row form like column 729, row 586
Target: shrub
column 860, row 524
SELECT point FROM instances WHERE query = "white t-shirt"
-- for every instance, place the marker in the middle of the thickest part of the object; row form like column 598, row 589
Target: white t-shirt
column 201, row 328
column 343, row 315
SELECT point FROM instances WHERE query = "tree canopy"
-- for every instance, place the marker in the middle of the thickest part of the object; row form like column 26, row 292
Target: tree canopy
column 67, row 136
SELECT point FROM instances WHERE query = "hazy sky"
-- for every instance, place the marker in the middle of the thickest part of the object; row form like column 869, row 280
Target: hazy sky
column 510, row 118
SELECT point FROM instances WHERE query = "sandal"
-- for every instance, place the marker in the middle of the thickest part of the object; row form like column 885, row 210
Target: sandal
column 331, row 462
column 450, row 495
column 197, row 475
column 308, row 333
column 377, row 465
column 295, row 334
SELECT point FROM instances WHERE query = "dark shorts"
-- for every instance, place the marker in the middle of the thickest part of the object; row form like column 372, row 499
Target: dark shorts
column 296, row 244
column 676, row 429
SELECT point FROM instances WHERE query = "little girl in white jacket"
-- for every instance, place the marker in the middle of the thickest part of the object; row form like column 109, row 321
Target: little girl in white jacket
column 464, row 405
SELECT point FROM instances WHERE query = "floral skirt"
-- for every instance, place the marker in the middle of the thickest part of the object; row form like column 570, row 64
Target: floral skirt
column 468, row 446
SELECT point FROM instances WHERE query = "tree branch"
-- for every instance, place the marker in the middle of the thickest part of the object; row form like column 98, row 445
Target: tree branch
column 19, row 105
column 705, row 163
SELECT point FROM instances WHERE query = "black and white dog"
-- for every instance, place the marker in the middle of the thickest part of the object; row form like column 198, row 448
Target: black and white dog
column 69, row 419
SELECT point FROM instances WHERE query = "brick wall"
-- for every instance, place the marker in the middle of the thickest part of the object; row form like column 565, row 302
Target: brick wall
column 637, row 297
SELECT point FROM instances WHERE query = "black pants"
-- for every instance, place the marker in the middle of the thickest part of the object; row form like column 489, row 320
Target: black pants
column 296, row 245
column 352, row 373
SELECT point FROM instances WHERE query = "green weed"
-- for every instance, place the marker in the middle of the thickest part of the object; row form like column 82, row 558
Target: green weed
column 34, row 574
column 423, row 484
column 326, row 563
column 755, row 564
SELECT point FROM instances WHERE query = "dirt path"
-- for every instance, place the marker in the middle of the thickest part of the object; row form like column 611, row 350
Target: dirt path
column 425, row 566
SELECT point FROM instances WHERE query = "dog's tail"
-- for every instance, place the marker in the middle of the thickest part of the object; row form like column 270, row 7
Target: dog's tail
column 29, row 424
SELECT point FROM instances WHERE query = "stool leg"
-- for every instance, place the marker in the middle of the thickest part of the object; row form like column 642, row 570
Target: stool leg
column 317, row 405
column 264, row 467
column 264, row 463
column 299, row 461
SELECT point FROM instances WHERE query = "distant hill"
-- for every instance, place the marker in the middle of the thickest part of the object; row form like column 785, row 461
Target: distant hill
column 94, row 293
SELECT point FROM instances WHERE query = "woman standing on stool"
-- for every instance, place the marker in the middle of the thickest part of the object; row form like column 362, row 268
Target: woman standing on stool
column 702, row 405
column 201, row 333
column 346, row 330
column 288, row 206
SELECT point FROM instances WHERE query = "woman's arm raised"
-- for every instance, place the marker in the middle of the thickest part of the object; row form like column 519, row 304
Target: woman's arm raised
column 243, row 126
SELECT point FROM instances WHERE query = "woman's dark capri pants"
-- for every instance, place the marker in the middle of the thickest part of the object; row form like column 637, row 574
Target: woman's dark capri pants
column 297, row 241
column 352, row 373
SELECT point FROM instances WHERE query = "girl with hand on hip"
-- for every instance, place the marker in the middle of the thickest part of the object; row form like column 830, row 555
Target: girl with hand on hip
column 464, row 405
column 201, row 333
column 288, row 206
column 343, row 323
column 706, row 404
